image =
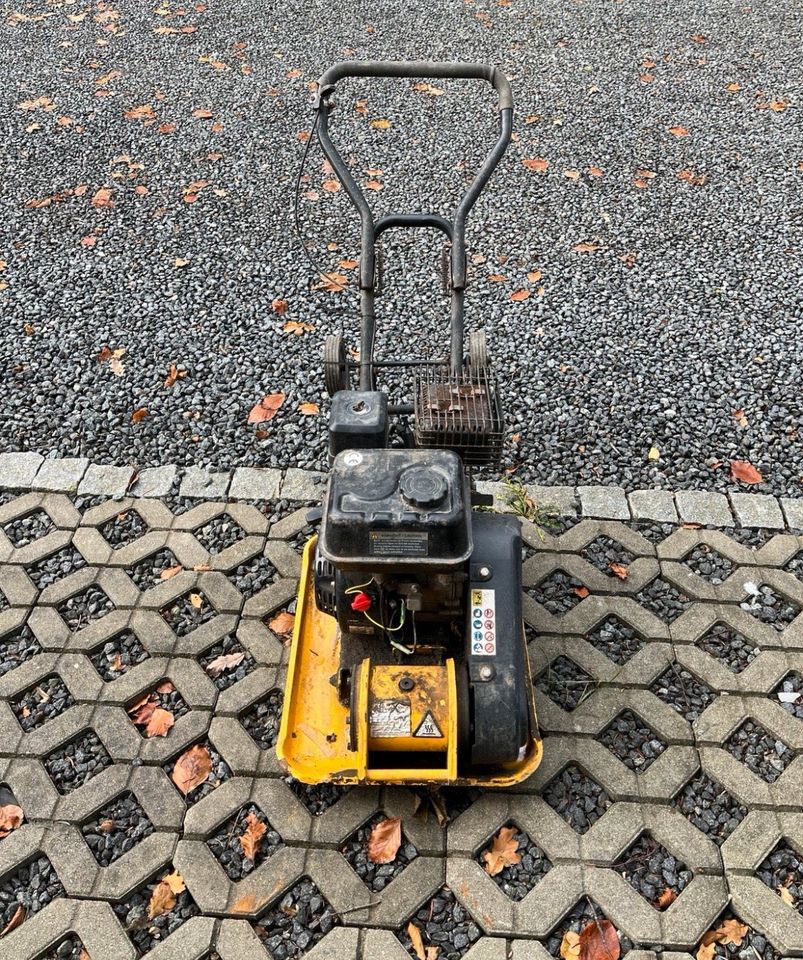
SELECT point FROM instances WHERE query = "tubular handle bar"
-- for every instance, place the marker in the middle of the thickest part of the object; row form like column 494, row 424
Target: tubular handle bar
column 371, row 230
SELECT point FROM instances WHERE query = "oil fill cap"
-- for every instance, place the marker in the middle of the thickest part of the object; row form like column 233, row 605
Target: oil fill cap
column 423, row 486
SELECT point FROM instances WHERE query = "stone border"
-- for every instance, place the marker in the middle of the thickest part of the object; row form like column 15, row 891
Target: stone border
column 76, row 475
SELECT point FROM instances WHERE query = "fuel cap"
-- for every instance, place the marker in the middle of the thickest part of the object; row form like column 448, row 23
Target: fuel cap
column 423, row 487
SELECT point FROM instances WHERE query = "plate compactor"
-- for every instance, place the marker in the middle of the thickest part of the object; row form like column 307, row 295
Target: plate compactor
column 408, row 661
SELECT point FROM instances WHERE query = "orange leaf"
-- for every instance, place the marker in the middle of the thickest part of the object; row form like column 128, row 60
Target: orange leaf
column 374, row 184
column 144, row 112
column 707, row 951
column 665, row 897
column 599, row 941
column 497, row 278
column 138, row 415
column 19, row 916
column 192, row 768
column 745, row 472
column 734, row 87
column 200, row 113
column 348, row 264
column 10, row 818
column 309, row 409
column 534, row 276
column 266, row 408
column 381, row 124
column 170, row 572
column 418, row 944
column 163, row 898
column 175, row 881
column 331, row 186
column 102, row 198
column 537, row 164
column 646, row 77
column 384, row 840
column 621, row 571
column 296, row 327
column 585, row 247
column 89, row 240
column 699, row 38
column 174, row 374
column 282, row 625
column 518, row 295
column 159, row 723
column 251, row 839
column 280, row 307
column 731, row 931
column 679, row 131
column 334, row 283
column 581, row 592
column 596, row 171
column 503, row 852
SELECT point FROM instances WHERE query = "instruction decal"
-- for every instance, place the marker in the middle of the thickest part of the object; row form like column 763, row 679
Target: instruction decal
column 389, row 718
column 428, row 727
column 483, row 623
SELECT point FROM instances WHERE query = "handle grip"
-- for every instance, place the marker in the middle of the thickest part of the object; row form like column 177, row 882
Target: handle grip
column 419, row 70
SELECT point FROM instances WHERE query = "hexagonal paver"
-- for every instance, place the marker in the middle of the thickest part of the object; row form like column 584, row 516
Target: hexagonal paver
column 653, row 872
column 564, row 682
column 42, row 701
column 708, row 564
column 443, row 923
column 515, row 879
column 53, row 568
column 296, row 922
column 73, row 764
column 16, row 647
column 244, row 841
column 769, row 606
column 376, row 876
column 723, row 643
column 789, row 693
column 24, row 530
column 31, row 886
column 219, row 534
column 753, row 944
column 710, row 808
column 261, row 721
column 608, row 556
column 663, row 599
column 146, row 709
column 584, row 912
column 116, row 828
column 759, row 751
column 316, row 797
column 577, row 797
column 211, row 759
column 4, row 602
column 227, row 662
column 82, row 608
column 123, row 529
column 133, row 912
column 114, row 657
column 558, row 593
column 187, row 612
column 630, row 739
column 154, row 569
column 683, row 692
column 783, row 868
column 795, row 565
column 616, row 639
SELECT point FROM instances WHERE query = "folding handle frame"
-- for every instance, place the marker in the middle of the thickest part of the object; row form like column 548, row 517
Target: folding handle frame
column 371, row 229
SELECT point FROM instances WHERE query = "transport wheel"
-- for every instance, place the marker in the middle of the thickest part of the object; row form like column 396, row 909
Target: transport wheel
column 335, row 374
column 477, row 350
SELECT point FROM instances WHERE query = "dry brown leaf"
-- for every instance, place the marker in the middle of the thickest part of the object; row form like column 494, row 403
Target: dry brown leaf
column 309, row 409
column 518, row 295
column 384, row 840
column 333, row 283
column 534, row 276
column 433, row 951
column 415, row 937
column 646, row 77
column 570, row 945
column 331, row 186
column 16, row 920
column 174, row 374
column 571, row 174
column 581, row 592
column 689, row 176
column 10, row 818
column 139, row 415
column 537, row 164
column 143, row 112
column 162, row 900
column 734, row 87
column 679, row 131
column 745, row 472
column 251, row 839
column 596, row 171
column 282, row 624
column 707, row 951
column 280, row 307
column 381, row 124
column 89, row 240
column 180, row 262
column 266, row 408
column 497, row 278
column 665, row 897
column 224, row 662
column 102, row 198
column 786, row 896
column 201, row 113
column 599, row 941
column 160, row 722
column 620, row 570
column 348, row 264
column 296, row 327
column 192, row 768
column 731, row 931
column 585, row 247
column 503, row 852
column 170, row 572
column 699, row 38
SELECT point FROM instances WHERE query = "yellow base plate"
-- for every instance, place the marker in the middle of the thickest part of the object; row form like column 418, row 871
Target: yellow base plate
column 314, row 737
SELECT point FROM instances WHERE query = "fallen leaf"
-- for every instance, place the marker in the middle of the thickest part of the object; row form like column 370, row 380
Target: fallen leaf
column 537, row 164
column 532, row 118
column 384, row 840
column 348, row 264
column 571, row 174
column 734, row 87
column 266, row 408
column 689, row 176
column 331, row 186
column 381, row 124
column 534, row 276
column 10, row 818
column 620, row 570
column 282, row 624
column 679, row 131
column 497, row 278
column 224, row 662
column 778, row 106
column 160, row 722
column 745, row 472
column 432, row 951
column 180, row 262
column 570, row 945
column 333, row 283
column 143, row 112
column 280, row 307
column 503, row 852
column 518, row 295
column 731, row 931
column 740, row 418
column 19, row 917
column 170, row 572
column 174, row 374
column 251, row 838
column 89, row 240
column 415, row 937
column 102, row 198
column 309, row 409
column 596, row 171
column 599, row 941
column 665, row 897
column 699, row 38
column 786, row 896
column 581, row 592
column 163, row 898
column 192, row 768
column 201, row 113
column 585, row 247
column 707, row 951
column 654, row 454
column 428, row 88
column 646, row 77
column 139, row 415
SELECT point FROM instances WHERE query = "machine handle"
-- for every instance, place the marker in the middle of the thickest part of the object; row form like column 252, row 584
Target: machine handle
column 419, row 70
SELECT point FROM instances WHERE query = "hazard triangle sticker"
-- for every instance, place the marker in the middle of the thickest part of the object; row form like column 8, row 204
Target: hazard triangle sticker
column 428, row 727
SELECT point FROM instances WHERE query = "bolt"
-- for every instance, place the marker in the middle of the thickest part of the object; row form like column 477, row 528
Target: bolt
column 485, row 572
column 406, row 684
column 486, row 672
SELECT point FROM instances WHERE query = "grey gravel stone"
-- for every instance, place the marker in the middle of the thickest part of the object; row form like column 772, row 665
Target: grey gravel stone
column 60, row 475
column 696, row 506
column 105, row 480
column 199, row 482
column 17, row 470
column 606, row 503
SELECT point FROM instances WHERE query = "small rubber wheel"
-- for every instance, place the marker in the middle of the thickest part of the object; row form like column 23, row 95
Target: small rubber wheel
column 477, row 350
column 335, row 374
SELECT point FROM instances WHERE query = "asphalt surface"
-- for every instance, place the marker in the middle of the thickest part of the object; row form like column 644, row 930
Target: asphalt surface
column 688, row 309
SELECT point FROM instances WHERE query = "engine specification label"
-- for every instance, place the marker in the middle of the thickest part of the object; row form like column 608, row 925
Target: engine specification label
column 483, row 623
column 398, row 543
column 389, row 718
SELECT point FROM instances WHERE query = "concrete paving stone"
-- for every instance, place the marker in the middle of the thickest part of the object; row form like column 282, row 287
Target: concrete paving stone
column 35, row 551
column 18, row 589
column 793, row 512
column 202, row 483
column 264, row 647
column 289, row 526
column 533, row 950
column 656, row 505
column 255, row 483
column 253, row 521
column 562, row 499
column 155, row 481
column 354, row 809
column 106, row 481
column 640, row 670
column 748, row 788
column 94, row 922
column 757, row 836
column 727, row 713
column 272, row 598
column 200, row 515
column 31, row 786
column 606, row 503
column 242, row 755
column 683, row 541
column 700, row 617
column 757, row 510
column 248, row 691
column 587, row 530
column 303, row 485
column 17, row 470
column 191, row 941
column 284, row 558
column 236, row 940
column 764, row 910
column 385, row 945
column 60, row 475
column 699, row 506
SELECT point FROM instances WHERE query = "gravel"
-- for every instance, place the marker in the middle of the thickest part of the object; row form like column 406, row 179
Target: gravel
column 219, row 773
column 25, row 530
column 604, row 551
column 708, row 806
column 663, row 599
column 725, row 644
column 220, row 533
column 187, row 612
column 683, row 692
column 516, row 880
column 708, row 564
column 222, row 673
column 443, row 923
column 297, row 922
column 16, row 647
column 577, row 797
column 228, row 849
column 795, row 565
column 115, row 657
column 564, row 682
column 251, row 577
column 632, row 741
column 376, row 876
column 53, row 568
column 70, row 948
column 651, row 870
column 41, row 702
column 761, row 753
column 316, row 797
column 84, row 607
column 144, row 931
column 558, row 593
column 784, row 868
column 116, row 829
column 32, row 886
column 768, row 606
column 616, row 639
column 124, row 529
column 789, row 693
column 583, row 913
column 653, row 531
column 261, row 721
column 149, row 571
column 73, row 764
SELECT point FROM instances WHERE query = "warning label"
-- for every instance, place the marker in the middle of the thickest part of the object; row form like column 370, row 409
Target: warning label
column 389, row 718
column 428, row 727
column 483, row 623
column 398, row 543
